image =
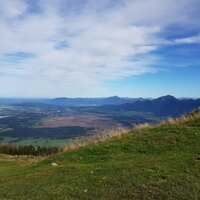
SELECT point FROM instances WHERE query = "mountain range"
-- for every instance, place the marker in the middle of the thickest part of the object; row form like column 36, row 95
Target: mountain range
column 164, row 106
column 64, row 101
column 113, row 100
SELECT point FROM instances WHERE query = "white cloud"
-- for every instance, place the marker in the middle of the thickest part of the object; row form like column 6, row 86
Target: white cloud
column 102, row 42
column 188, row 40
column 11, row 9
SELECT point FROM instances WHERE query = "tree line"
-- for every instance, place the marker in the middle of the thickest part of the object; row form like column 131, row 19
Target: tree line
column 28, row 150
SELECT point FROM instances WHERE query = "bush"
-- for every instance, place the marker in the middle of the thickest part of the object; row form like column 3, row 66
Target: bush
column 28, row 150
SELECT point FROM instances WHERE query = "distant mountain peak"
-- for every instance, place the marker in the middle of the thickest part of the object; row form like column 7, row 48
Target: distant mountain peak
column 166, row 98
column 114, row 97
column 60, row 98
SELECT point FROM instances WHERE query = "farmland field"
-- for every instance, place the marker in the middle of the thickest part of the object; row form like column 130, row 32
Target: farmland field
column 87, row 120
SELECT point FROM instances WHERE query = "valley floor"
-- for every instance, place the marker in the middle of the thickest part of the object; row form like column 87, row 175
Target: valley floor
column 149, row 163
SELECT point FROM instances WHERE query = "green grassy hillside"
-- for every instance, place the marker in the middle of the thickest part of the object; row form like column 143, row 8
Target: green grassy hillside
column 162, row 162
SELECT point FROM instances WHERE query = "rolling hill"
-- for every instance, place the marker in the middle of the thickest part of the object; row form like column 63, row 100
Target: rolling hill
column 156, row 162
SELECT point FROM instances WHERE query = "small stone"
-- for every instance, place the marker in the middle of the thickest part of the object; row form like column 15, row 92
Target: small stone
column 85, row 190
column 92, row 172
column 197, row 159
column 54, row 164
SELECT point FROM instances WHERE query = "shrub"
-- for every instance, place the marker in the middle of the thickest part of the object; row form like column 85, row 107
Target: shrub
column 28, row 150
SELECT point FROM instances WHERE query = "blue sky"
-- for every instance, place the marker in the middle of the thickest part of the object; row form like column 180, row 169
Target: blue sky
column 89, row 48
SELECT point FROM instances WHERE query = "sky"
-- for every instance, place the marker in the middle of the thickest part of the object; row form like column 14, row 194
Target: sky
column 92, row 48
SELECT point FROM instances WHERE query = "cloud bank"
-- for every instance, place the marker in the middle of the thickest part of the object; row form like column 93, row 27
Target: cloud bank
column 72, row 48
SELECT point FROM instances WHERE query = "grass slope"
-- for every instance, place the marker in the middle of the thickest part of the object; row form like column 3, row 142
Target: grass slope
column 149, row 163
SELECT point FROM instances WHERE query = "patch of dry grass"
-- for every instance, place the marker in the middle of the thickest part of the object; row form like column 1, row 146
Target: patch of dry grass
column 185, row 118
column 169, row 120
column 94, row 139
column 143, row 126
column 190, row 116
